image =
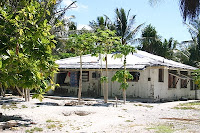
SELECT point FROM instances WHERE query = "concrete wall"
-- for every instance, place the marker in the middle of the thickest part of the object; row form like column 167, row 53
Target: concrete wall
column 161, row 90
column 146, row 87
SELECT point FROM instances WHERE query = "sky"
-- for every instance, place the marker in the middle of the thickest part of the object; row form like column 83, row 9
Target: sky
column 164, row 16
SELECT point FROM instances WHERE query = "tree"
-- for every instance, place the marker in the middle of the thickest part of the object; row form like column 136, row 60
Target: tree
column 107, row 42
column 122, row 75
column 124, row 26
column 81, row 44
column 150, row 41
column 102, row 23
column 127, row 33
column 194, row 44
column 26, row 44
column 189, row 9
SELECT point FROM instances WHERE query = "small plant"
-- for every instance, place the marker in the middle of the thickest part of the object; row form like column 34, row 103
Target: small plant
column 128, row 121
column 48, row 121
column 24, row 106
column 51, row 126
column 12, row 106
column 35, row 129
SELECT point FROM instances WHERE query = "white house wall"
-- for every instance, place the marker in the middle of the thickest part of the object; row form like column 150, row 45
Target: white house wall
column 161, row 90
column 146, row 87
column 135, row 89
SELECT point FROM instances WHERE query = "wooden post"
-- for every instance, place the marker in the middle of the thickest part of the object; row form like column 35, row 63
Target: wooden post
column 116, row 101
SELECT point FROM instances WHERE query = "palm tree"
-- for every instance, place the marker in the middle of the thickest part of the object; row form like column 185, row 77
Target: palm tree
column 102, row 23
column 150, row 40
column 190, row 9
column 124, row 28
column 194, row 44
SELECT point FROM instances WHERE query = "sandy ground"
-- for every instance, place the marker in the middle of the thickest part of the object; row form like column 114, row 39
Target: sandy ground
column 51, row 115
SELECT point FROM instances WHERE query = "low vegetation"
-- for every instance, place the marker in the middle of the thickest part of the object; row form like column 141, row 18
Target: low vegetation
column 188, row 106
column 35, row 129
column 162, row 129
column 143, row 105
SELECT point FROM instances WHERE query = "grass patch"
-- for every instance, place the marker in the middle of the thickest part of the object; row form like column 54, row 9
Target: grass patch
column 185, row 108
column 50, row 121
column 24, row 106
column 51, row 126
column 11, row 106
column 142, row 105
column 162, row 129
column 128, row 121
column 35, row 129
column 188, row 106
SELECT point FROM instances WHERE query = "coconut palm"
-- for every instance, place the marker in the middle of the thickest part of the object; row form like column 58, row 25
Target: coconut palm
column 190, row 9
column 103, row 23
column 124, row 26
column 194, row 44
column 125, row 29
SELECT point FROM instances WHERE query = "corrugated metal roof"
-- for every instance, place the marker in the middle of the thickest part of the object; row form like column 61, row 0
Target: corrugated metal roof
column 139, row 60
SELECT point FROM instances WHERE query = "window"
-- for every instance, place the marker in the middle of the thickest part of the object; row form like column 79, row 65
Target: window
column 192, row 85
column 184, row 81
column 161, row 75
column 61, row 78
column 172, row 79
column 95, row 75
column 135, row 75
column 85, row 76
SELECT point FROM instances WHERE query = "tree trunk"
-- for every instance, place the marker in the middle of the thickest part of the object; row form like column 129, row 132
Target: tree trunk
column 19, row 91
column 25, row 95
column 124, row 96
column 28, row 94
column 2, row 92
column 102, row 83
column 106, row 88
column 124, row 90
column 80, row 82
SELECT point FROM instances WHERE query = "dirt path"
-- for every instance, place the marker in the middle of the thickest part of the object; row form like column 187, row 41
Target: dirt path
column 52, row 116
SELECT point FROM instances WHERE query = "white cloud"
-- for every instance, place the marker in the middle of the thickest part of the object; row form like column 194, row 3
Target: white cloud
column 77, row 6
column 81, row 26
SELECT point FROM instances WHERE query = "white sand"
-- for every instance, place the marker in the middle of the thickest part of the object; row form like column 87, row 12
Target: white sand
column 132, row 117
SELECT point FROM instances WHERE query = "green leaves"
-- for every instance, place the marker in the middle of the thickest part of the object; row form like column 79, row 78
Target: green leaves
column 196, row 77
column 0, row 63
column 82, row 43
column 104, row 79
column 121, row 77
column 25, row 54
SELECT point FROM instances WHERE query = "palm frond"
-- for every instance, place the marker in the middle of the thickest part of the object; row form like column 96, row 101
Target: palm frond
column 133, row 33
column 190, row 9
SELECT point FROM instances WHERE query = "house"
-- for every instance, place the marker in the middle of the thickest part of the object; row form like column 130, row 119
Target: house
column 155, row 77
